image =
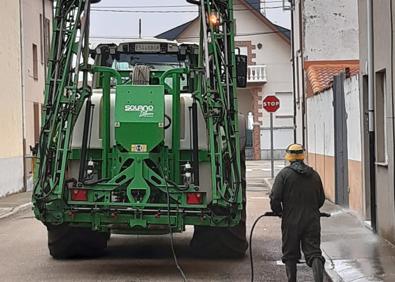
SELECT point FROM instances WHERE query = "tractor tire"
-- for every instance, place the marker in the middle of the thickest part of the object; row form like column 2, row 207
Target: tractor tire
column 224, row 242
column 66, row 242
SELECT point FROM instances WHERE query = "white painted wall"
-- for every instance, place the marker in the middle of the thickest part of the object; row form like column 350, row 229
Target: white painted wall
column 331, row 30
column 11, row 153
column 353, row 109
column 321, row 129
column 320, row 117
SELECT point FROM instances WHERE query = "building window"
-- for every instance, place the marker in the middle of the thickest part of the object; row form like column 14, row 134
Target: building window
column 44, row 38
column 244, row 51
column 41, row 39
column 35, row 62
column 47, row 37
column 381, row 136
column 36, row 117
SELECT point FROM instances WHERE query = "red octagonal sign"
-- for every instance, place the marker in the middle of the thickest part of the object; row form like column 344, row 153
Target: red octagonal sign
column 271, row 103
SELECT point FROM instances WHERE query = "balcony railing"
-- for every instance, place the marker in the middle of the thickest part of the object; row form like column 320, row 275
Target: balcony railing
column 257, row 74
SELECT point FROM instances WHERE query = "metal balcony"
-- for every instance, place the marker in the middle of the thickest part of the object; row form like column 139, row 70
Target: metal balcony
column 257, row 74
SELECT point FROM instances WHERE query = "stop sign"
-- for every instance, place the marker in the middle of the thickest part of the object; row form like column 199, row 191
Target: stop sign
column 271, row 103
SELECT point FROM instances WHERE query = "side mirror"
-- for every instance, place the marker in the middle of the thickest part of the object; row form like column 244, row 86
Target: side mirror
column 241, row 71
column 92, row 53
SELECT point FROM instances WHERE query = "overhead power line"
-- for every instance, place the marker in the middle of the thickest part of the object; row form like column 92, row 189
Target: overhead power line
column 176, row 6
column 186, row 37
column 164, row 11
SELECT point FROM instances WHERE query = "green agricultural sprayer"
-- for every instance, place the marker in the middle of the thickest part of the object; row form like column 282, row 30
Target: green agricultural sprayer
column 145, row 140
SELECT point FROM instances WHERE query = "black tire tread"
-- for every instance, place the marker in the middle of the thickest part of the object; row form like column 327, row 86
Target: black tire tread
column 66, row 242
column 227, row 242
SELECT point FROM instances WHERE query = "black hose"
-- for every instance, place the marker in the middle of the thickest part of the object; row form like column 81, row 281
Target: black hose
column 86, row 183
column 170, row 228
column 323, row 214
column 194, row 2
column 250, row 243
column 169, row 120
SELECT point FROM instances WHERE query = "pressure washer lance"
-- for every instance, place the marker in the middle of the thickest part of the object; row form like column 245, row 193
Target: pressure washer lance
column 266, row 214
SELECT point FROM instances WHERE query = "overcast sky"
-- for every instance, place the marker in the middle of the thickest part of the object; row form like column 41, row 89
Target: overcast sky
column 160, row 18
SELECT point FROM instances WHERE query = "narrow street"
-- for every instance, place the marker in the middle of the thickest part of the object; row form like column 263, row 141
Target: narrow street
column 141, row 258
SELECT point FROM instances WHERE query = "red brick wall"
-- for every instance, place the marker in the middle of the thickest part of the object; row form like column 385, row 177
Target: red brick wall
column 250, row 49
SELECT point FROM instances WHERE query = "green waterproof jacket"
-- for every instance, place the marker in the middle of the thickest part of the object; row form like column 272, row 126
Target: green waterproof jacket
column 297, row 193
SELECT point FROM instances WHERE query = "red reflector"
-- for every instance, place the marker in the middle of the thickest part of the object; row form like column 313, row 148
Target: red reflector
column 79, row 195
column 194, row 198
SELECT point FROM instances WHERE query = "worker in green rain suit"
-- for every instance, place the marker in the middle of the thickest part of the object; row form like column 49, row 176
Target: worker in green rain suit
column 297, row 196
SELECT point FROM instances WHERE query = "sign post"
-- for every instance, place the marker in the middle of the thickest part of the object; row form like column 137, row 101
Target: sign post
column 271, row 104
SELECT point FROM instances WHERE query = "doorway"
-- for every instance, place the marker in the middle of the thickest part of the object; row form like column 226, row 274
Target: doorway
column 341, row 150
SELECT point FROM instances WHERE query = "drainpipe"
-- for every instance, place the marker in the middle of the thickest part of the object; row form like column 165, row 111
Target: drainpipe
column 22, row 69
column 392, row 78
column 43, row 35
column 301, row 46
column 372, row 149
column 293, row 67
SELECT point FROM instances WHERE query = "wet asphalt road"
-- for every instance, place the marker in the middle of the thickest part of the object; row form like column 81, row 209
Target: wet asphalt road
column 24, row 255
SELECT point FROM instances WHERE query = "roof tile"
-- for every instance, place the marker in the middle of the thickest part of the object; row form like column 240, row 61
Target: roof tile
column 320, row 76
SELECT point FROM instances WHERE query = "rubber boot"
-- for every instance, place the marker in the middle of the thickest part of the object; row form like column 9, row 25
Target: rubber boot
column 290, row 267
column 318, row 270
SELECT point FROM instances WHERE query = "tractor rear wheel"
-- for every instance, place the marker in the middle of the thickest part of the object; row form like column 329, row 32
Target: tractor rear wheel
column 65, row 242
column 224, row 242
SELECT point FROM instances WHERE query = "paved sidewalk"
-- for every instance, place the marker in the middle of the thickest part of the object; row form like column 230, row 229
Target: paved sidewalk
column 14, row 203
column 353, row 252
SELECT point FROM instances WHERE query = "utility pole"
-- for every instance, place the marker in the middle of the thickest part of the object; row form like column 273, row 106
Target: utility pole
column 271, row 104
column 140, row 29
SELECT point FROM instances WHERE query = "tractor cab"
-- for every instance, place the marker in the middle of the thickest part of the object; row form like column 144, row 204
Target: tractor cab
column 142, row 62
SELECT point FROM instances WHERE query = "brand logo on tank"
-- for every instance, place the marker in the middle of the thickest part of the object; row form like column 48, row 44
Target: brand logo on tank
column 146, row 111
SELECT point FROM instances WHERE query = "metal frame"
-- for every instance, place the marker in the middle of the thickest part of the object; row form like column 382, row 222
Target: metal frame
column 158, row 170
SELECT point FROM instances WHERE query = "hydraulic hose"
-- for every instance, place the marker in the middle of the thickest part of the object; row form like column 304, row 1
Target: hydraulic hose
column 195, row 2
column 180, row 270
column 85, row 137
column 266, row 214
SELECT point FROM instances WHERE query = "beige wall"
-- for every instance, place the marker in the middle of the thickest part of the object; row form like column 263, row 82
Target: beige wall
column 356, row 197
column 325, row 166
column 11, row 148
column 383, row 52
column 33, row 33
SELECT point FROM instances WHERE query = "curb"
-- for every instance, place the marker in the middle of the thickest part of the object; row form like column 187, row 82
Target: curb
column 268, row 183
column 330, row 273
column 17, row 210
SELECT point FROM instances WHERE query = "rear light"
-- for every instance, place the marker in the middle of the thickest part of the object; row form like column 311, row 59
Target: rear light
column 79, row 195
column 194, row 198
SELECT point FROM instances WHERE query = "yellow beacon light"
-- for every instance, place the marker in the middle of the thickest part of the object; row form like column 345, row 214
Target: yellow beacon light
column 213, row 19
